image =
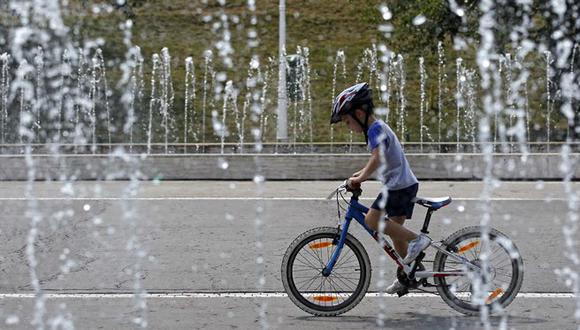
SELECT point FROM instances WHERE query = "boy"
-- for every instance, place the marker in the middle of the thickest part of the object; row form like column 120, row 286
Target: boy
column 354, row 106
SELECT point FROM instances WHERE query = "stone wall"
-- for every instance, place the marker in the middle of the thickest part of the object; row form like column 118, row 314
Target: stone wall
column 275, row 167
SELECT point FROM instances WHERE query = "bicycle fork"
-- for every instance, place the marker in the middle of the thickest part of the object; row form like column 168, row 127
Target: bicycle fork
column 328, row 268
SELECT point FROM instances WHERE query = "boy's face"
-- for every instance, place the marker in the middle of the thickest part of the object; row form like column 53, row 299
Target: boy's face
column 351, row 123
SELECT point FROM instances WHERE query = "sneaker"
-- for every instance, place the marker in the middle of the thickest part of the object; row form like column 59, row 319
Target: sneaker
column 415, row 247
column 395, row 287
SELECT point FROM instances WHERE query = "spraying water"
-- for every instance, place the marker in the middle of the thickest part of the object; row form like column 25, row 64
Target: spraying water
column 549, row 61
column 167, row 97
column 491, row 103
column 152, row 101
column 131, row 170
column 442, row 76
column 459, row 98
column 402, row 80
column 422, row 107
column 4, row 93
column 385, row 72
column 207, row 74
column 100, row 65
column 189, row 110
column 137, row 87
column 339, row 60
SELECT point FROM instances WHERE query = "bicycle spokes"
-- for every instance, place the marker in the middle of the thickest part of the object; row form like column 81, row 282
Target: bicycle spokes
column 494, row 270
column 305, row 282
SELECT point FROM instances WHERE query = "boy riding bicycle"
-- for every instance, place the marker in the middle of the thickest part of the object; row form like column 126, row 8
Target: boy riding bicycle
column 354, row 106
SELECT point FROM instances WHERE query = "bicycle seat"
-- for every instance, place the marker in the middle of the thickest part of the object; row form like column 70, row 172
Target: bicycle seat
column 432, row 203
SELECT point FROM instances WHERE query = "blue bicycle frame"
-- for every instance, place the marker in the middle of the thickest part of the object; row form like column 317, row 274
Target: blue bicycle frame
column 358, row 211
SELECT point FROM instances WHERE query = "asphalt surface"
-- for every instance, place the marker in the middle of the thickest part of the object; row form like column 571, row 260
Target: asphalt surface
column 185, row 242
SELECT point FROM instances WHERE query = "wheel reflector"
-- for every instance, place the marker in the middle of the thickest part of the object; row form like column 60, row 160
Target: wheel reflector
column 468, row 247
column 322, row 245
column 493, row 295
column 324, row 298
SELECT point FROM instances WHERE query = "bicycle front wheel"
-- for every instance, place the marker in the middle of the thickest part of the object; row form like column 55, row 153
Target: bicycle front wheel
column 302, row 275
column 494, row 287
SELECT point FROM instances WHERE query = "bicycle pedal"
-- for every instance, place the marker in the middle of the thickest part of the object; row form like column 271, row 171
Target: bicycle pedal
column 426, row 284
column 402, row 292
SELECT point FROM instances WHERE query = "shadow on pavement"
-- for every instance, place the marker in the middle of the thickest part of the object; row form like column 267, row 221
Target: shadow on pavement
column 411, row 320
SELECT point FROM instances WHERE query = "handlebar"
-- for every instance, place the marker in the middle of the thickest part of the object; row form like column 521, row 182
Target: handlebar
column 345, row 187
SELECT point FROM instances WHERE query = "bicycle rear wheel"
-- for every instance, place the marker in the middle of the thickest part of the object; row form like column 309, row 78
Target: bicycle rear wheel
column 497, row 286
column 302, row 272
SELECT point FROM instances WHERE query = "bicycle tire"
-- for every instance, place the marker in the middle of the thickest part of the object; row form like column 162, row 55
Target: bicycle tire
column 326, row 233
column 497, row 301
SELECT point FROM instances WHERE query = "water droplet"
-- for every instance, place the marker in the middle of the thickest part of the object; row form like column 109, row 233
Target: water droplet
column 221, row 76
column 461, row 208
column 254, row 63
column 87, row 207
column 259, row 178
column 67, row 189
column 223, row 164
column 386, row 12
column 418, row 20
column 97, row 221
column 13, row 319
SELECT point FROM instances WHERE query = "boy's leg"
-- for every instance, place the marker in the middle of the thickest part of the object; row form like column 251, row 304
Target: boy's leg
column 400, row 235
column 401, row 246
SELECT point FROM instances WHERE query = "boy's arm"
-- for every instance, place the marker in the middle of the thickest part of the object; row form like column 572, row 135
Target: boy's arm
column 369, row 169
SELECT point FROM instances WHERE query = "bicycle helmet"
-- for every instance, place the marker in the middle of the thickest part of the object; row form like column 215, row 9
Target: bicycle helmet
column 359, row 96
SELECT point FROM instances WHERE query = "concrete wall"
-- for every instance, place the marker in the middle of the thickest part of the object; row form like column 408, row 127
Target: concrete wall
column 274, row 167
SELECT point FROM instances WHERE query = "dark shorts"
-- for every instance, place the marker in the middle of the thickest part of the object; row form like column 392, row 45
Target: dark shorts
column 398, row 202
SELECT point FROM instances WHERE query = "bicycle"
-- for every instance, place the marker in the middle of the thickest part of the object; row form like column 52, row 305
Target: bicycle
column 468, row 273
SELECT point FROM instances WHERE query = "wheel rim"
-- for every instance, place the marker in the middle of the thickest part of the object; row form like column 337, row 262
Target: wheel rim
column 503, row 269
column 316, row 291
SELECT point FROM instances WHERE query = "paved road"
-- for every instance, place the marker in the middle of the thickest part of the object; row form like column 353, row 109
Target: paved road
column 200, row 237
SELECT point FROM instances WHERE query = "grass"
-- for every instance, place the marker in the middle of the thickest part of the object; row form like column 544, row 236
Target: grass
column 323, row 26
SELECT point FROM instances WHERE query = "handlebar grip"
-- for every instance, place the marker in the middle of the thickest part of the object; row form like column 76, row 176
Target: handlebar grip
column 350, row 186
column 355, row 189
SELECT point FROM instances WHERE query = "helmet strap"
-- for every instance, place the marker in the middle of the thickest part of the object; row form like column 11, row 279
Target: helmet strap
column 364, row 126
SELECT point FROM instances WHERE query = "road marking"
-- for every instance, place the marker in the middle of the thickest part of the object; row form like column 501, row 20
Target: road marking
column 242, row 295
column 546, row 199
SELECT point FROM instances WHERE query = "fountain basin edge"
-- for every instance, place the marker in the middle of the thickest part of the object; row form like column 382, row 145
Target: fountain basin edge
column 544, row 166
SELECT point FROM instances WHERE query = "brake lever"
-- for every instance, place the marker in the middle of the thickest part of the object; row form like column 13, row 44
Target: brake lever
column 342, row 187
column 332, row 194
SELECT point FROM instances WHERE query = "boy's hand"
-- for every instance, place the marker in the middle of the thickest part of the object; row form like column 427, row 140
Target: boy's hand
column 357, row 173
column 353, row 183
